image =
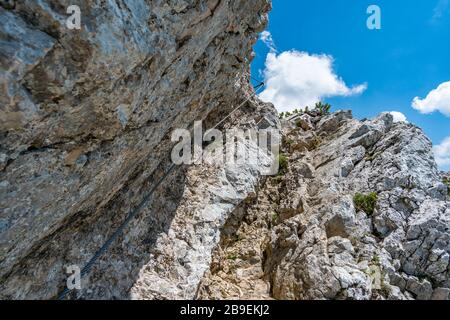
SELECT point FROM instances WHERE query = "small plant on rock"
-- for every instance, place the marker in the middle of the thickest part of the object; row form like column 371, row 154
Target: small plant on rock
column 287, row 114
column 232, row 257
column 376, row 259
column 275, row 218
column 282, row 162
column 366, row 202
column 446, row 181
column 323, row 108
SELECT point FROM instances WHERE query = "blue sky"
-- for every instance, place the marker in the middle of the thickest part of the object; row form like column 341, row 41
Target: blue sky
column 408, row 57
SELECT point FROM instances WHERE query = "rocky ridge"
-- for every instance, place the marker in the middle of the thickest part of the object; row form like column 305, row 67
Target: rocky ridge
column 86, row 118
column 302, row 237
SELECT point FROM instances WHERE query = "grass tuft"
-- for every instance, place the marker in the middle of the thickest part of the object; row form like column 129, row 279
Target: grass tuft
column 366, row 202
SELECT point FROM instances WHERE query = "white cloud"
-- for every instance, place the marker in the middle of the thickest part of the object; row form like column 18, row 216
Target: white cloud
column 437, row 100
column 398, row 116
column 297, row 79
column 440, row 9
column 442, row 154
column 266, row 37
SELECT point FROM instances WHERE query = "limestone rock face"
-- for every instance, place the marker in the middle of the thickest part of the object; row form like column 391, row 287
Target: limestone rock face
column 327, row 247
column 183, row 254
column 85, row 123
column 86, row 118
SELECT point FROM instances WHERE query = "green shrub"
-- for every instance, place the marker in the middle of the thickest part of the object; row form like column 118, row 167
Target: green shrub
column 365, row 202
column 323, row 108
column 287, row 114
column 447, row 182
column 282, row 162
column 376, row 259
column 275, row 218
